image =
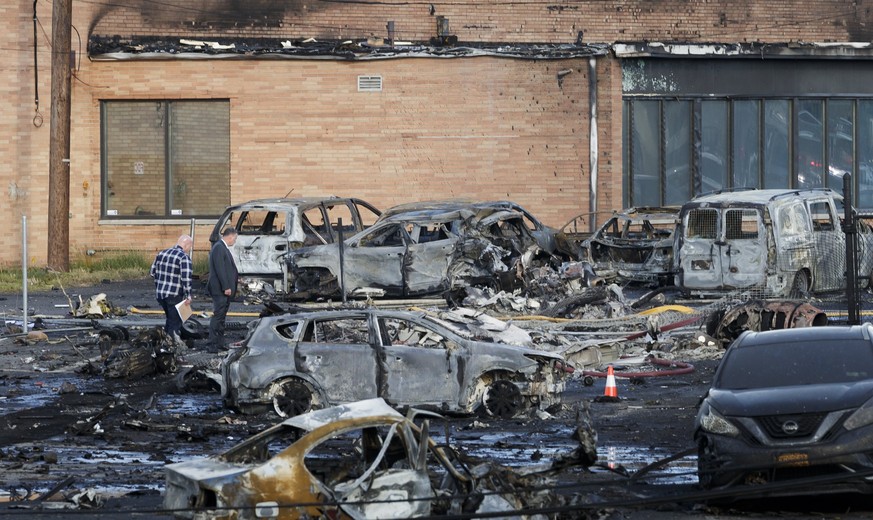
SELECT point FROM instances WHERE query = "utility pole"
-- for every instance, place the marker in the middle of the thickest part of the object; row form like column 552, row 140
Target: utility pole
column 59, row 140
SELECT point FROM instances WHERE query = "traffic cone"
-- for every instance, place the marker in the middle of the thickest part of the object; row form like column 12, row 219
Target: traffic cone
column 611, row 390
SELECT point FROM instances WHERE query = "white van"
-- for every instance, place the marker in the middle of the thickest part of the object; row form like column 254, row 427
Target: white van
column 777, row 243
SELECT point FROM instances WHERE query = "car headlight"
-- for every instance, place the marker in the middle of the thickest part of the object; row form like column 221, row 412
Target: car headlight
column 860, row 417
column 713, row 422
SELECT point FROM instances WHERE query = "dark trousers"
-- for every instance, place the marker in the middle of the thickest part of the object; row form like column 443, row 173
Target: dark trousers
column 173, row 324
column 220, row 306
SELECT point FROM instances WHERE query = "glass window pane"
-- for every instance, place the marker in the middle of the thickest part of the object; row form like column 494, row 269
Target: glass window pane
column 625, row 164
column 677, row 146
column 713, row 140
column 646, row 142
column 864, row 150
column 135, row 176
column 200, row 166
column 746, row 141
column 841, row 146
column 808, row 145
column 776, row 143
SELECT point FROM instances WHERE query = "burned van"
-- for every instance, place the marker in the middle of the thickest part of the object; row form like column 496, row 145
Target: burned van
column 772, row 242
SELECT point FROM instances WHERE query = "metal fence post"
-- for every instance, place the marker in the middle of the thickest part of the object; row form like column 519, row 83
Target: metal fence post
column 851, row 231
column 24, row 269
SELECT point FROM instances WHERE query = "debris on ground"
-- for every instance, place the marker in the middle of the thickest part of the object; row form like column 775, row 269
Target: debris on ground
column 97, row 306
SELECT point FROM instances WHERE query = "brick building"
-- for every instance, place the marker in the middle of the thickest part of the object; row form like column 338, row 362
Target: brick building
column 180, row 108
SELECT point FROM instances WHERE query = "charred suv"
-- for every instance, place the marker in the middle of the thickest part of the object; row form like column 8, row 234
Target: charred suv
column 270, row 228
column 788, row 405
column 296, row 362
column 416, row 252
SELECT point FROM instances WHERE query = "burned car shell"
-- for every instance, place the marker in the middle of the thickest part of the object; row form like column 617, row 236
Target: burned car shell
column 246, row 482
column 544, row 235
column 414, row 253
column 293, row 363
column 779, row 243
column 634, row 245
column 270, row 228
column 789, row 404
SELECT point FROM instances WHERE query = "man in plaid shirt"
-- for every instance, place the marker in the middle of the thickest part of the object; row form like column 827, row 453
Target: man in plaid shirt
column 172, row 273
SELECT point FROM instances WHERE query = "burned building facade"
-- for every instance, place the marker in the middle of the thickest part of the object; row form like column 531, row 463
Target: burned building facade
column 182, row 108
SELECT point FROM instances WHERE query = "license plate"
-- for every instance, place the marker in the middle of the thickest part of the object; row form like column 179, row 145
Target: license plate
column 792, row 459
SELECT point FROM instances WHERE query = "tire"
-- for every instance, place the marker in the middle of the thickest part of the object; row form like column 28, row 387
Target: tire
column 292, row 397
column 502, row 399
column 800, row 286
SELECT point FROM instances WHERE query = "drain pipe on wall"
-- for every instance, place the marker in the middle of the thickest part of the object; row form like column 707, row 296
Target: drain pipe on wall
column 592, row 141
column 24, row 270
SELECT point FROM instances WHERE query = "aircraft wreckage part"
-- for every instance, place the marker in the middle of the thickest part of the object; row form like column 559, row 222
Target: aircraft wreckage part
column 761, row 316
column 666, row 328
column 292, row 397
column 681, row 367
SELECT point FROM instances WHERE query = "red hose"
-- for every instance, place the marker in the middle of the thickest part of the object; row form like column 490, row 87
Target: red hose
column 681, row 368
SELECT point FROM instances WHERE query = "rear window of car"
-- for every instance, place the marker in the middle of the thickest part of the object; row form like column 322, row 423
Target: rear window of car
column 796, row 363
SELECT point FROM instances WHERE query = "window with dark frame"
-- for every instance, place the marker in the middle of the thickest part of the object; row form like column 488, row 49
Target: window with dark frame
column 165, row 159
column 677, row 148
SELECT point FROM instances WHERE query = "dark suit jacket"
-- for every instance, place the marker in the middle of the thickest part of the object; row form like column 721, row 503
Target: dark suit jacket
column 222, row 270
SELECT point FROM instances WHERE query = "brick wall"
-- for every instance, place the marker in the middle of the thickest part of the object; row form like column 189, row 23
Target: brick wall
column 473, row 127
column 492, row 21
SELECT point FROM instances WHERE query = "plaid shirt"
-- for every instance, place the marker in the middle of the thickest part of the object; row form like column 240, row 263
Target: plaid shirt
column 172, row 273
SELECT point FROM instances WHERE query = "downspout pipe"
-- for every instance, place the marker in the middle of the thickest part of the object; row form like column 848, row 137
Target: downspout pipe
column 592, row 141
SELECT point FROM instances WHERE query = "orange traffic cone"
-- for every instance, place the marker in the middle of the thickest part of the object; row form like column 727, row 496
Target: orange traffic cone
column 611, row 390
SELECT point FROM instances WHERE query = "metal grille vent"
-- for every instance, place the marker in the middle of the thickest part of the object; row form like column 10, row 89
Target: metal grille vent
column 369, row 83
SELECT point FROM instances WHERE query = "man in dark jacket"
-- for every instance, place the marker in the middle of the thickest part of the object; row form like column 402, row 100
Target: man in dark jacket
column 222, row 286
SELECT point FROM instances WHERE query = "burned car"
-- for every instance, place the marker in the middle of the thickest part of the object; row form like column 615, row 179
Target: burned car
column 634, row 245
column 544, row 235
column 296, row 362
column 270, row 228
column 359, row 460
column 296, row 469
column 775, row 243
column 789, row 404
column 416, row 253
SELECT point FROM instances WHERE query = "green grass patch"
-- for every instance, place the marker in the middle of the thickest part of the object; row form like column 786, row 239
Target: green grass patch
column 88, row 270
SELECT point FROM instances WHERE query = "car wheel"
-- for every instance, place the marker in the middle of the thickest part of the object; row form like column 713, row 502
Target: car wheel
column 502, row 399
column 800, row 285
column 292, row 397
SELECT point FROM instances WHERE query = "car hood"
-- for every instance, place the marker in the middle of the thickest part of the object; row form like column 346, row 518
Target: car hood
column 205, row 471
column 791, row 399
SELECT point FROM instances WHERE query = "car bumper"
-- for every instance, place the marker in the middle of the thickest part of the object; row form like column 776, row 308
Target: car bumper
column 737, row 462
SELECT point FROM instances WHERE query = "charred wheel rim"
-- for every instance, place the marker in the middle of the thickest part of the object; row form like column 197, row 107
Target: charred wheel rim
column 800, row 285
column 502, row 399
column 291, row 397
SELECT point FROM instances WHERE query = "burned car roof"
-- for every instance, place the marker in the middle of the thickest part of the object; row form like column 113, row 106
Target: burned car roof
column 545, row 236
column 427, row 251
column 296, row 362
